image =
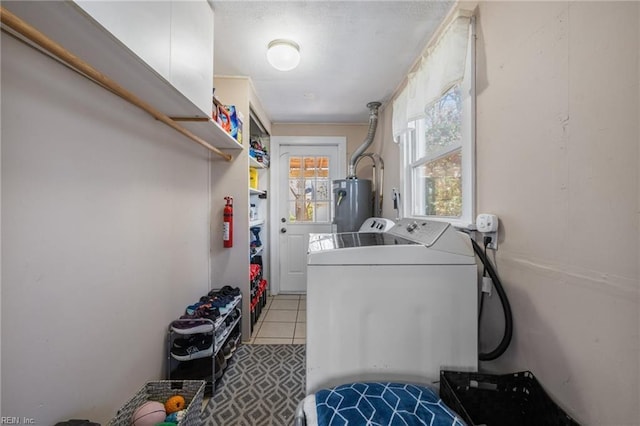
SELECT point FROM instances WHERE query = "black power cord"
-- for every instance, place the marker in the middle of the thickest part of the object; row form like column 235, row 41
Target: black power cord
column 506, row 307
column 487, row 241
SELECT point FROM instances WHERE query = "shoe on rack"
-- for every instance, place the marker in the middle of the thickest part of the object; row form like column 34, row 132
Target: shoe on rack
column 221, row 335
column 235, row 314
column 231, row 346
column 191, row 309
column 207, row 311
column 201, row 321
column 222, row 300
column 187, row 324
column 183, row 342
column 229, row 319
column 224, row 310
column 227, row 290
column 221, row 365
column 201, row 348
column 235, row 341
column 221, row 361
column 221, row 331
column 226, row 351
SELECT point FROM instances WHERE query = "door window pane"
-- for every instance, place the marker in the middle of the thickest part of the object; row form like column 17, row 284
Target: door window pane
column 294, row 167
column 309, row 196
column 322, row 189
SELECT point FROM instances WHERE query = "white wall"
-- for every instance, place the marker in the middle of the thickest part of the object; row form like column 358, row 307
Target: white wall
column 105, row 240
column 355, row 134
column 230, row 266
column 557, row 160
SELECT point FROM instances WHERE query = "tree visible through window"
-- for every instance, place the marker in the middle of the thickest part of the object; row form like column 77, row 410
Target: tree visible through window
column 439, row 175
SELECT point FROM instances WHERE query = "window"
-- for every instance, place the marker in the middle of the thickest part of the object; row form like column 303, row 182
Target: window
column 309, row 196
column 437, row 144
column 435, row 163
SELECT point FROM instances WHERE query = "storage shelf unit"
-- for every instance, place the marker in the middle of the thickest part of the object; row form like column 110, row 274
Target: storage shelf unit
column 204, row 367
column 233, row 179
column 69, row 25
column 258, row 255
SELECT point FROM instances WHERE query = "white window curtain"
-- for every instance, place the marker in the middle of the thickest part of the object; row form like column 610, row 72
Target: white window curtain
column 399, row 122
column 441, row 67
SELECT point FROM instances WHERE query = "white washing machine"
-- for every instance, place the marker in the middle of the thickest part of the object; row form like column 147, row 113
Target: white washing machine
column 390, row 306
column 376, row 224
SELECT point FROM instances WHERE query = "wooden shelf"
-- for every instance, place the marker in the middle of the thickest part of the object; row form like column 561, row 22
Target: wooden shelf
column 69, row 25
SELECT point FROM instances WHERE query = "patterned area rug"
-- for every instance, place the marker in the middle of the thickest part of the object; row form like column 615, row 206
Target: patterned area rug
column 262, row 386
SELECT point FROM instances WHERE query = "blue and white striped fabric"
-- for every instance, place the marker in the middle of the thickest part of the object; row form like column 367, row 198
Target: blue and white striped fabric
column 383, row 404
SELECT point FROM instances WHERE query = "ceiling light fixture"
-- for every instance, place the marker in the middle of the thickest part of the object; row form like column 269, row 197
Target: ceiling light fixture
column 283, row 55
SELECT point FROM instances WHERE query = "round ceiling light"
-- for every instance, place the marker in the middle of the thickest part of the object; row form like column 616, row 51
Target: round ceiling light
column 283, row 55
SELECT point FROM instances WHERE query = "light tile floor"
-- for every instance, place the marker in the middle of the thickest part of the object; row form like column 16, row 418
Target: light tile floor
column 283, row 320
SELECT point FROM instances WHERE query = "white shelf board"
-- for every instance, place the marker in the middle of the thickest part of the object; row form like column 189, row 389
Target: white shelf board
column 255, row 163
column 211, row 132
column 70, row 26
column 258, row 251
column 255, row 191
column 256, row 222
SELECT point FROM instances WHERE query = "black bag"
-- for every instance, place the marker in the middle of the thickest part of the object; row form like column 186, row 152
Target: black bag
column 76, row 422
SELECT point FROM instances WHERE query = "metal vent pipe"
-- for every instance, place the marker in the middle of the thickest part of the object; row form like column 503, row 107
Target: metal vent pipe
column 373, row 122
column 378, row 180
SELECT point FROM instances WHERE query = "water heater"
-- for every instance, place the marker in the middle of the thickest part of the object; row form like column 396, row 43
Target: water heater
column 352, row 203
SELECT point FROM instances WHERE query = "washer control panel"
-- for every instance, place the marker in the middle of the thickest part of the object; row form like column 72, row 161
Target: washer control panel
column 422, row 231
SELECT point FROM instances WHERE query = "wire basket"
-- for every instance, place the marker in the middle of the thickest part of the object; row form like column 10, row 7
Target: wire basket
column 160, row 391
column 501, row 400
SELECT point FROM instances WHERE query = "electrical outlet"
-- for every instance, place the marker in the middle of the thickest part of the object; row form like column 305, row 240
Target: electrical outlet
column 487, row 224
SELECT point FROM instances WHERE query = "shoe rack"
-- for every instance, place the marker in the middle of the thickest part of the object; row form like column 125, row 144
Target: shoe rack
column 201, row 348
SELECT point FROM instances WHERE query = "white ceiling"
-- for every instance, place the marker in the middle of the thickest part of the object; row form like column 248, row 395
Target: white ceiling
column 352, row 52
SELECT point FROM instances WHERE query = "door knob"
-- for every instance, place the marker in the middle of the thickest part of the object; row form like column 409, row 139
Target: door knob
column 283, row 230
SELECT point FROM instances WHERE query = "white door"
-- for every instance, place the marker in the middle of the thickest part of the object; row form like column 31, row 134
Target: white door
column 304, row 205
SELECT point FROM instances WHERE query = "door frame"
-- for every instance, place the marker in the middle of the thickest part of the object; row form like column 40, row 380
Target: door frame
column 276, row 142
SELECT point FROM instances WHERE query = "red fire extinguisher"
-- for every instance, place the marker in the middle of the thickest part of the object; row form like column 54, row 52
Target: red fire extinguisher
column 228, row 223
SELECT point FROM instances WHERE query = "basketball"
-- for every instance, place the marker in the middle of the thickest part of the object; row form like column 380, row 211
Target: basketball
column 149, row 414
